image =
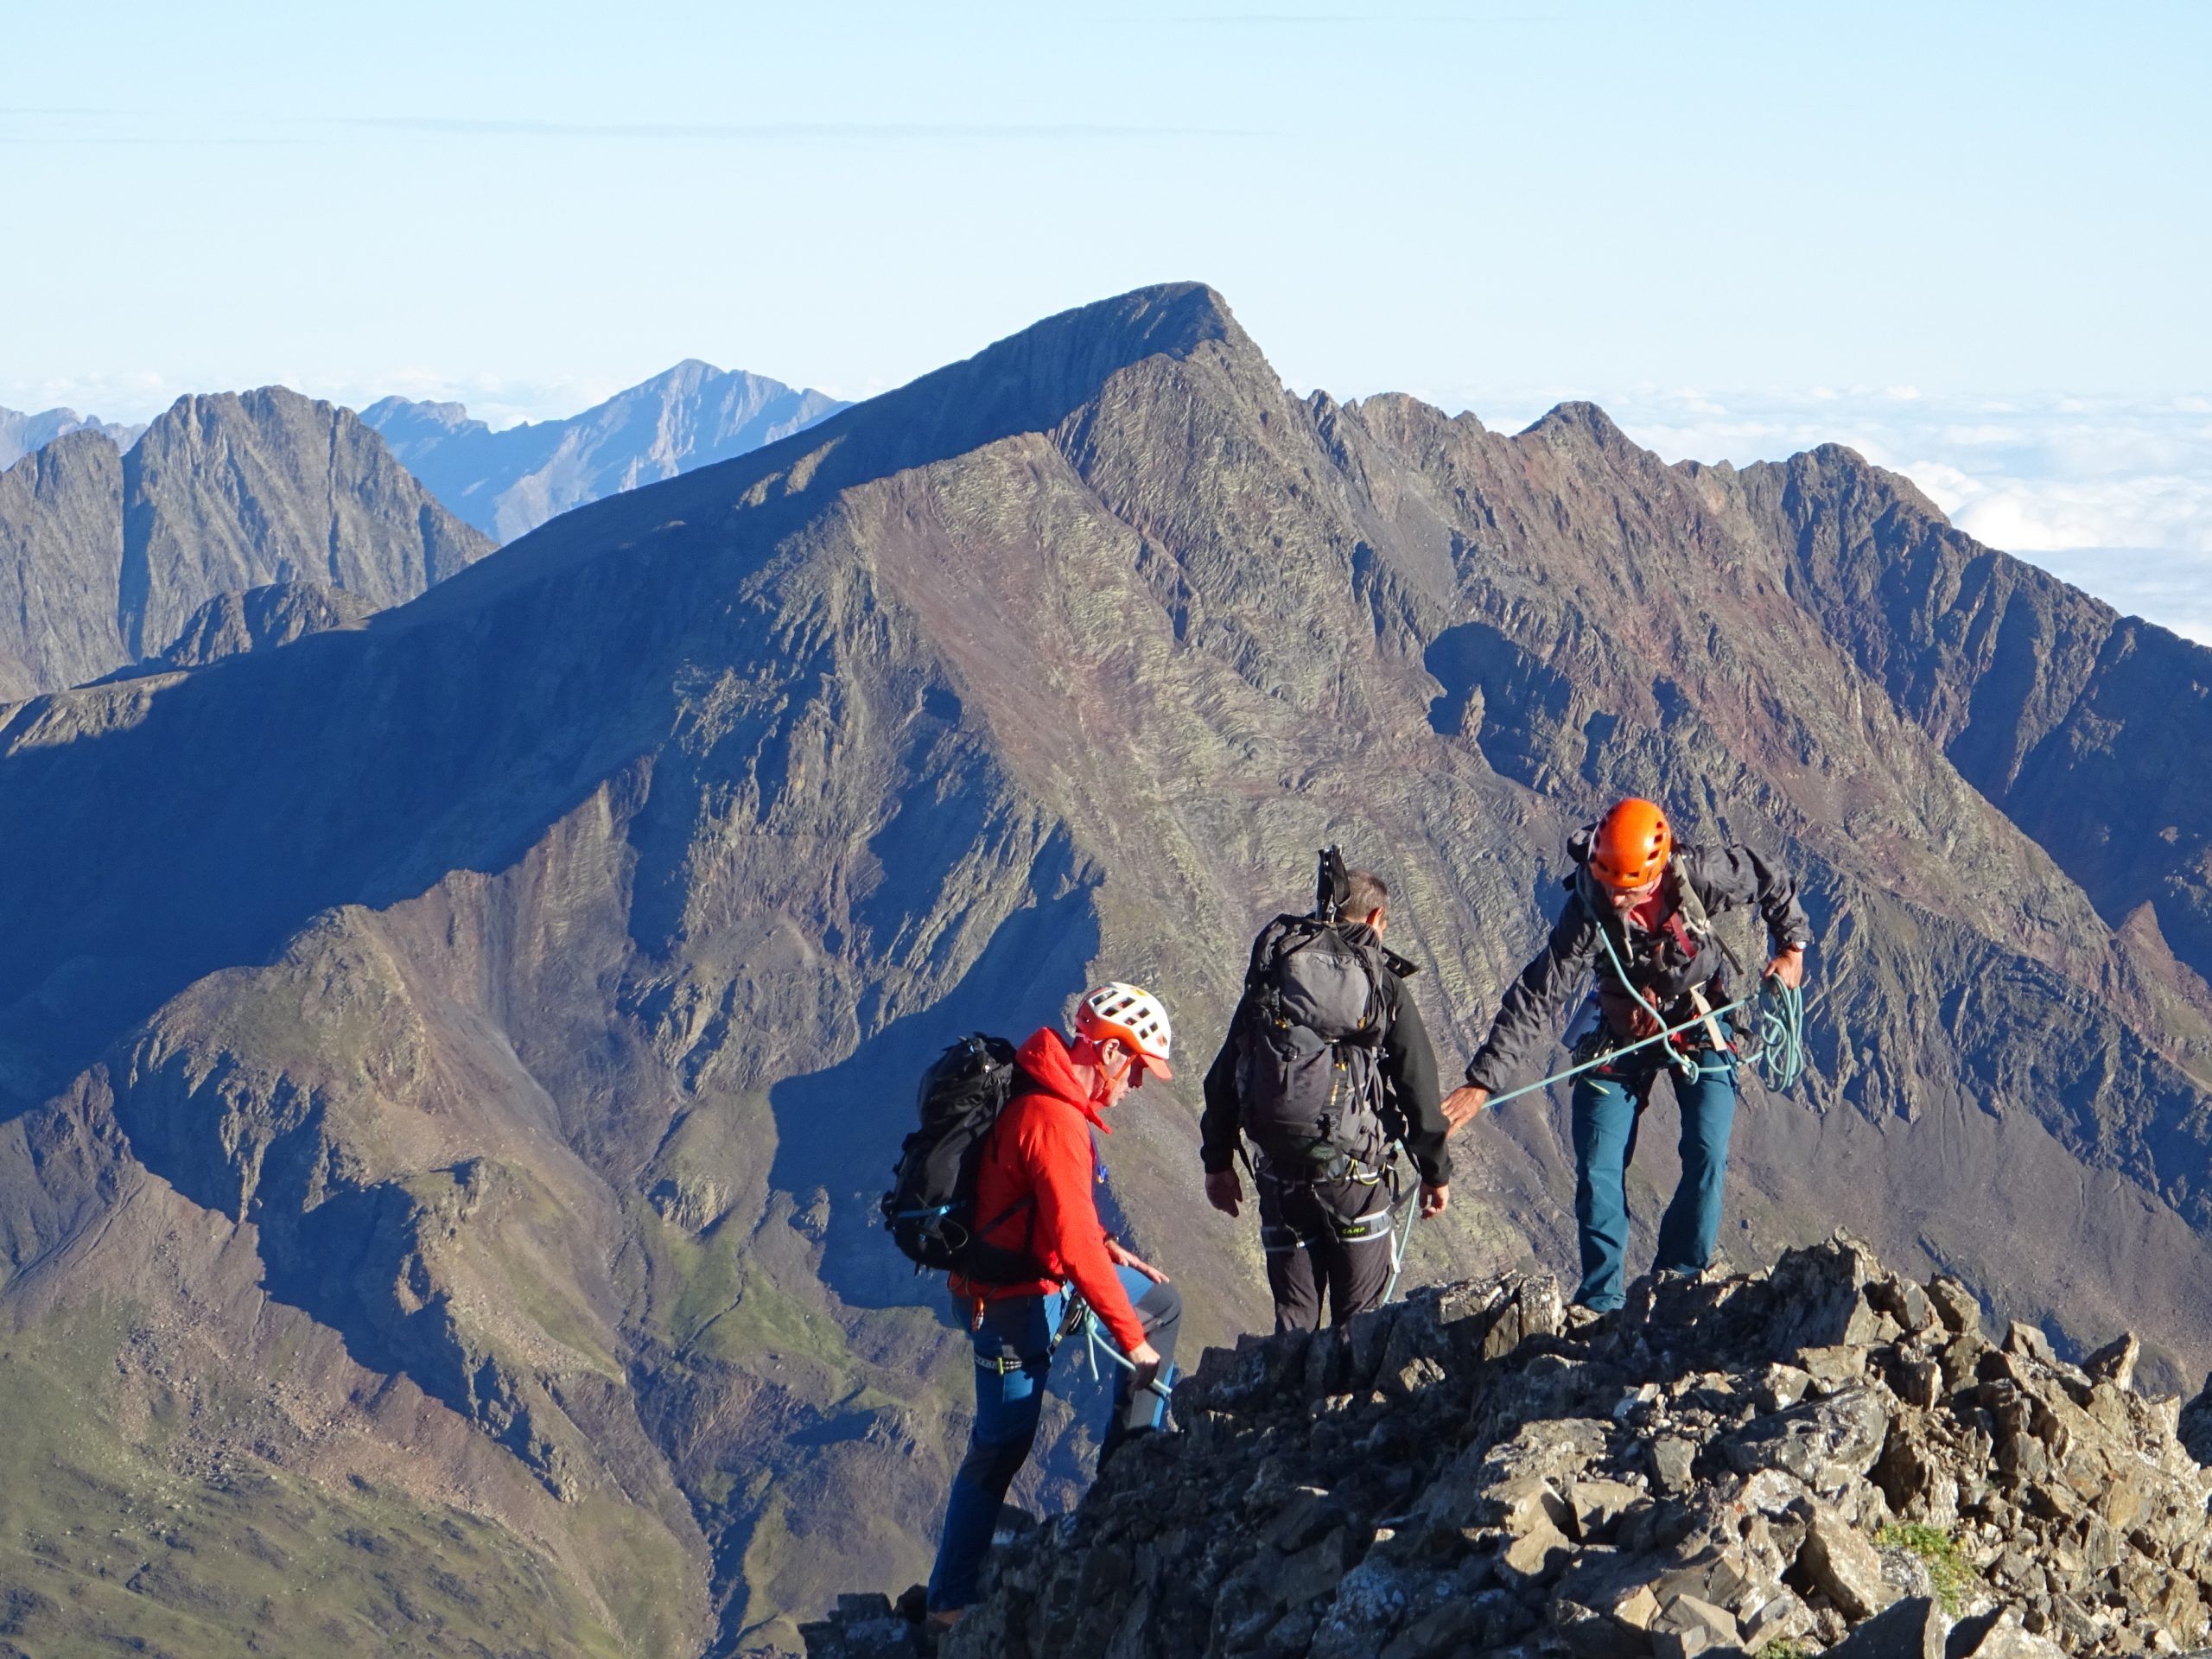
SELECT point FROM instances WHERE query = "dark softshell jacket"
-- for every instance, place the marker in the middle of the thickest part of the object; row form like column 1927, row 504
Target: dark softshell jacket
column 1665, row 963
column 1409, row 1066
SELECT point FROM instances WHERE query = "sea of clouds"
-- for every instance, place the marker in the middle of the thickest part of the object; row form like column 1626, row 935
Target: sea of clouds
column 2114, row 495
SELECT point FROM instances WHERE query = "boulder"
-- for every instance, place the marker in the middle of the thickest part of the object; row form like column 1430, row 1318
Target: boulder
column 1688, row 1626
column 1844, row 1564
column 1826, row 1444
column 1585, row 1633
column 1671, row 1458
column 1957, row 1306
column 1597, row 1506
column 1819, row 1297
column 1910, row 1630
column 1997, row 1634
column 2115, row 1362
column 1784, row 1617
column 1536, row 1555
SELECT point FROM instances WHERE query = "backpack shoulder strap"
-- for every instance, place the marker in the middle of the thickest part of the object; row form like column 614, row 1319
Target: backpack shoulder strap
column 1687, row 901
column 1690, row 904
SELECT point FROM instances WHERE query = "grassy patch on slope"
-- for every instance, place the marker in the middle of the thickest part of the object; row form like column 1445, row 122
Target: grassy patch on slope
column 1948, row 1571
column 103, row 1550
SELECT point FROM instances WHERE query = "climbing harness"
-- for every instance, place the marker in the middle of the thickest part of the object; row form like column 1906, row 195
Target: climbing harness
column 1680, row 1059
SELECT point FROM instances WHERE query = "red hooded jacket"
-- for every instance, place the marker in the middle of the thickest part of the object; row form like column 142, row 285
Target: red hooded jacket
column 1040, row 1165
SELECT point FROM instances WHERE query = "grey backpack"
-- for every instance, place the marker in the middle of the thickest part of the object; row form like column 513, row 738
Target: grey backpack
column 1309, row 1078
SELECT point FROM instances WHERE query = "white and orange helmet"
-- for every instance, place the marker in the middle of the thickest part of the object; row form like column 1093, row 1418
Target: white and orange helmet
column 1135, row 1015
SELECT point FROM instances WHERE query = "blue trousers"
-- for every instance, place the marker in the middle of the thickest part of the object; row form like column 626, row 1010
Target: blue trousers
column 1605, row 1106
column 1014, row 1362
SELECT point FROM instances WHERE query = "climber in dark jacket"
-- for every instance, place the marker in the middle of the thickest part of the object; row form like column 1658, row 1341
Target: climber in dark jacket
column 1654, row 903
column 1326, row 1230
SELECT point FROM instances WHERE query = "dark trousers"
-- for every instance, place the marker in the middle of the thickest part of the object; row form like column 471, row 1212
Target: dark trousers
column 1606, row 1106
column 1324, row 1238
column 1014, row 1362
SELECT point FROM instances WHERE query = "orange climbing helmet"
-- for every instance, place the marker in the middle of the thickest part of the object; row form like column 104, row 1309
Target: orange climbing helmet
column 1133, row 1014
column 1632, row 844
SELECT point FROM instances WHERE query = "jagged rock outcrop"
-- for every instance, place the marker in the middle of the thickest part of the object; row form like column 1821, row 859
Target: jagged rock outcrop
column 1827, row 1456
column 105, row 554
column 507, row 483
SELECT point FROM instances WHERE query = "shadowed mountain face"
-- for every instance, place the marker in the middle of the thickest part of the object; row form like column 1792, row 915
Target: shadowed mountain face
column 468, row 1045
column 105, row 554
column 507, row 483
column 2086, row 727
column 255, row 620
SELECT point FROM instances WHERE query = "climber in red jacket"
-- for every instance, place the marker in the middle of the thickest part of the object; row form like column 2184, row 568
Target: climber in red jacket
column 1039, row 1171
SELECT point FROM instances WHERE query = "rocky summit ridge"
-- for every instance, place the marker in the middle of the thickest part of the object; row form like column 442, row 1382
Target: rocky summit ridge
column 1824, row 1458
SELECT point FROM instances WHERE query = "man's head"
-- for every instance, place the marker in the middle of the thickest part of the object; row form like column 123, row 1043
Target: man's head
column 1121, row 1032
column 1629, row 851
column 1367, row 899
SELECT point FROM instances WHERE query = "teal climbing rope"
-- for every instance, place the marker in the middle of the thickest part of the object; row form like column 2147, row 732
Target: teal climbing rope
column 1080, row 1317
column 1779, row 1053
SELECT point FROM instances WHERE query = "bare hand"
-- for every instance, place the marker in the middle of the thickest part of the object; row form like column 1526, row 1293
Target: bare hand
column 1225, row 1192
column 1434, row 1198
column 1127, row 1258
column 1146, row 1358
column 1462, row 1104
column 1789, row 967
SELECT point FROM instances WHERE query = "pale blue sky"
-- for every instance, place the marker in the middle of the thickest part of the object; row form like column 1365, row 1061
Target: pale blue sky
column 1491, row 205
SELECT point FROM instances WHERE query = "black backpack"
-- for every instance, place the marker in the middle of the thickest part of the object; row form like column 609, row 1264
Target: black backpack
column 1309, row 1078
column 931, row 1208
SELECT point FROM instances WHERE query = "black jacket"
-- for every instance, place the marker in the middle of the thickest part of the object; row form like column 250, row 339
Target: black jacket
column 1664, row 964
column 1409, row 1066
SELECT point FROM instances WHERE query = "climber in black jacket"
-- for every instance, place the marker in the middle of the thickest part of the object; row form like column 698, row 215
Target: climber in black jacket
column 1652, row 903
column 1322, row 1097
